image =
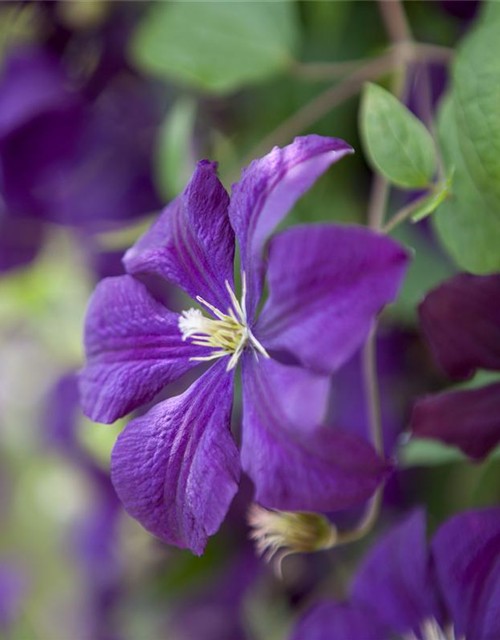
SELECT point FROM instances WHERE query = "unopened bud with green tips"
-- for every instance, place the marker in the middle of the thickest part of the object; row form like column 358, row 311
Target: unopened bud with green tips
column 290, row 532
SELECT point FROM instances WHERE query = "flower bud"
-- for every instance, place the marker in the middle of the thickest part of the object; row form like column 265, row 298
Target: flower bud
column 294, row 532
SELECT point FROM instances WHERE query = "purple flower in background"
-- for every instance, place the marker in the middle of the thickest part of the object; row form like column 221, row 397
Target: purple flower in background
column 177, row 468
column 13, row 591
column 67, row 159
column 402, row 589
column 461, row 320
column 93, row 537
column 215, row 610
column 40, row 120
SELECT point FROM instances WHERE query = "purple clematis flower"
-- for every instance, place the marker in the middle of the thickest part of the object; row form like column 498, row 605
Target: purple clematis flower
column 177, row 468
column 403, row 590
column 461, row 320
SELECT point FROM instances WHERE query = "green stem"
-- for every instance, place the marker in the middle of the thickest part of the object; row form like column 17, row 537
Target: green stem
column 404, row 213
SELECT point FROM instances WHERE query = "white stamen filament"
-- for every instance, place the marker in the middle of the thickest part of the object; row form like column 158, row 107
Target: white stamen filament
column 431, row 630
column 228, row 335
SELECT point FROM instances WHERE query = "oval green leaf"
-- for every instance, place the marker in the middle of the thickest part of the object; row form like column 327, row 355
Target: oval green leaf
column 468, row 226
column 397, row 144
column 216, row 46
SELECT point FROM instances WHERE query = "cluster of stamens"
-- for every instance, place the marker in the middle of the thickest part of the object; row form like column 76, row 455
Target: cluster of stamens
column 278, row 534
column 228, row 334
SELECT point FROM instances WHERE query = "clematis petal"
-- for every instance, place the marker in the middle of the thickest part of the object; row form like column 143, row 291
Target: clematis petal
column 295, row 463
column 461, row 320
column 267, row 191
column 133, row 346
column 466, row 550
column 394, row 581
column 326, row 285
column 192, row 242
column 468, row 419
column 176, row 469
column 329, row 620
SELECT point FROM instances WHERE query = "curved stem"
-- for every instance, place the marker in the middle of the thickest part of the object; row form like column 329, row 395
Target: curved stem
column 404, row 213
column 395, row 21
column 379, row 193
column 322, row 104
column 405, row 51
column 372, row 390
column 366, row 524
column 348, row 87
column 371, row 514
column 325, row 71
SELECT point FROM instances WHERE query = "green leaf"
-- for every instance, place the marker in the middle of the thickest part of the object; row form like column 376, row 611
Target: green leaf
column 49, row 296
column 174, row 156
column 490, row 11
column 466, row 223
column 216, row 46
column 428, row 453
column 430, row 204
column 476, row 99
column 123, row 238
column 396, row 142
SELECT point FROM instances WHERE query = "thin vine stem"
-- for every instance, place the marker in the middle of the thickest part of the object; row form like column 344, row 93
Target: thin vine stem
column 399, row 32
column 404, row 213
column 348, row 87
column 404, row 51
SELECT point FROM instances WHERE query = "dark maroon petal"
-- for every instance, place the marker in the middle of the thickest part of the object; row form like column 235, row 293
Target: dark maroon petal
column 176, row 469
column 133, row 347
column 394, row 581
column 295, row 463
column 192, row 242
column 466, row 550
column 468, row 419
column 461, row 320
column 326, row 285
column 267, row 191
column 331, row 621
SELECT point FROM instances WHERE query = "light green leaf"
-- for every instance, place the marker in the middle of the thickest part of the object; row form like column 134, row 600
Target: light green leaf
column 124, row 237
column 396, row 142
column 174, row 156
column 476, row 99
column 216, row 46
column 428, row 453
column 99, row 441
column 466, row 224
column 430, row 204
column 49, row 297
column 490, row 11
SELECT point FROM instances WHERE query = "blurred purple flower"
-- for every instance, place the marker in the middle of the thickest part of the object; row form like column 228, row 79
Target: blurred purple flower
column 66, row 159
column 404, row 590
column 461, row 320
column 176, row 469
column 93, row 538
column 215, row 610
column 13, row 591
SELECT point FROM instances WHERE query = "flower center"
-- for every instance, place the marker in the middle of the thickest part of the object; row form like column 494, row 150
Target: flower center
column 431, row 630
column 228, row 335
